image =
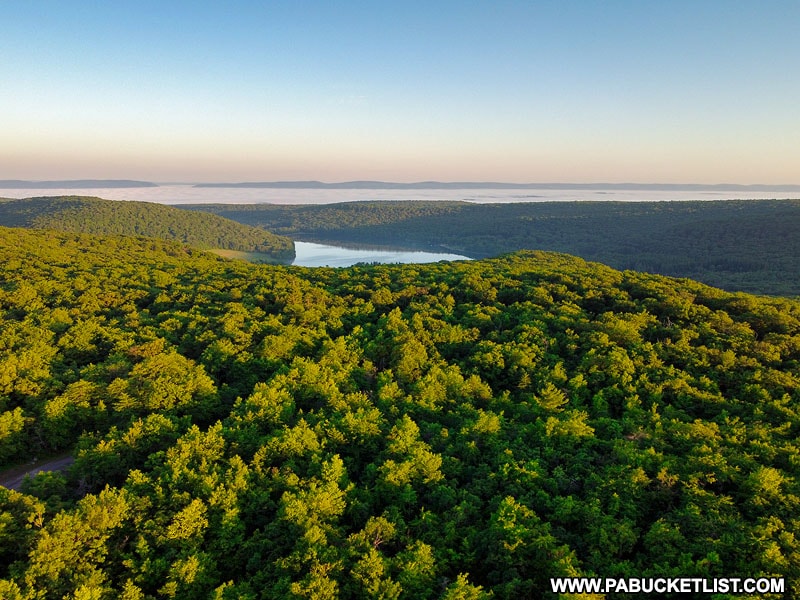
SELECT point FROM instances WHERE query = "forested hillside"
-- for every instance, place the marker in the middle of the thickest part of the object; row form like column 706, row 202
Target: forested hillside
column 739, row 245
column 462, row 430
column 94, row 215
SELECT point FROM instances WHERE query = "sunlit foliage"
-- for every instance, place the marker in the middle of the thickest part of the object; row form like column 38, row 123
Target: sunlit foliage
column 93, row 215
column 463, row 430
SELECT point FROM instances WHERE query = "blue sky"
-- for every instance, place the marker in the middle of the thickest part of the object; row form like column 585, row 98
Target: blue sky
column 525, row 91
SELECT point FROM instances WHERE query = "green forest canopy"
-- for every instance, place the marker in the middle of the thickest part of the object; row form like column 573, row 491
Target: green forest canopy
column 461, row 430
column 97, row 216
column 739, row 245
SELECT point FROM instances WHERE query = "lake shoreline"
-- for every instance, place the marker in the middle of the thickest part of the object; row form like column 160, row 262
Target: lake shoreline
column 313, row 254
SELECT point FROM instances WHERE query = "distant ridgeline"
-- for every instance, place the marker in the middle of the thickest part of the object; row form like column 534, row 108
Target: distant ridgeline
column 462, row 430
column 739, row 245
column 97, row 216
column 498, row 185
column 74, row 184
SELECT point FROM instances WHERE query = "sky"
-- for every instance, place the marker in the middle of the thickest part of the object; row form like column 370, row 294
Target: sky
column 527, row 91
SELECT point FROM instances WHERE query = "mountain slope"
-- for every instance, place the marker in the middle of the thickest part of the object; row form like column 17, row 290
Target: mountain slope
column 98, row 216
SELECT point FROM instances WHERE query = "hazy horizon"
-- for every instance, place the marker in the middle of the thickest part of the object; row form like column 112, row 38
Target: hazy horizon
column 673, row 93
column 377, row 184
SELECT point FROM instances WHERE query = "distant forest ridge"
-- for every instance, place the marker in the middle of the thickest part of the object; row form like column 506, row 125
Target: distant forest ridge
column 457, row 185
column 11, row 184
column 739, row 245
column 77, row 214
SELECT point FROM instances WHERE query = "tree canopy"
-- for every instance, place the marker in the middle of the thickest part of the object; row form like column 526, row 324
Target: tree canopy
column 453, row 430
column 79, row 214
column 739, row 245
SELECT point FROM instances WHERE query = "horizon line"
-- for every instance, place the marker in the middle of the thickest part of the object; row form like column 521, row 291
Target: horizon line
column 377, row 184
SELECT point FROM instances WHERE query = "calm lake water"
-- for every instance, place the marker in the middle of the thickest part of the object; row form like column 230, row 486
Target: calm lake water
column 187, row 194
column 320, row 255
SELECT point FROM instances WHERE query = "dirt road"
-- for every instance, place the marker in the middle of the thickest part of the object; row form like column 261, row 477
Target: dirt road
column 12, row 478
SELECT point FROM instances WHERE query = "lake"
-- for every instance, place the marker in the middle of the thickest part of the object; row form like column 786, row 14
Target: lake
column 320, row 255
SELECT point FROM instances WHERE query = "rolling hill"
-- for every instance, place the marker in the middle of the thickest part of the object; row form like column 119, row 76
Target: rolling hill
column 97, row 216
column 442, row 431
column 739, row 245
